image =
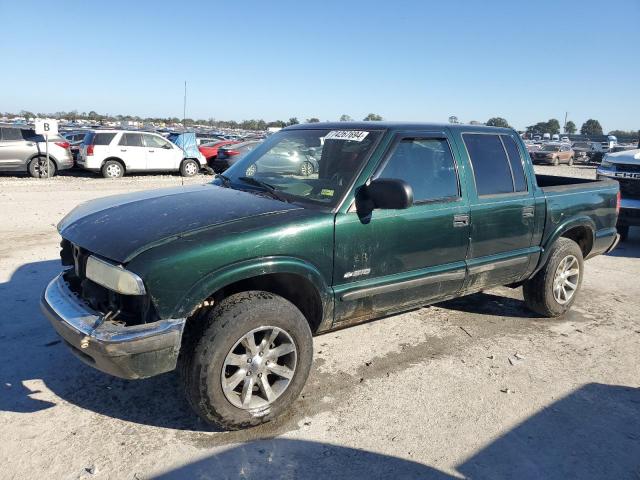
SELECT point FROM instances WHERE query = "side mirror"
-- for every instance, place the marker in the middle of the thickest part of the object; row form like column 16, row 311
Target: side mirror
column 385, row 194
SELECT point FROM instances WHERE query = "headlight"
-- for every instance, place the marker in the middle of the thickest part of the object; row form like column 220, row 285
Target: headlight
column 605, row 163
column 114, row 277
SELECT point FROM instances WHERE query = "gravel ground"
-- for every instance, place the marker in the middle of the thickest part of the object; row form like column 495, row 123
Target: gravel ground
column 471, row 388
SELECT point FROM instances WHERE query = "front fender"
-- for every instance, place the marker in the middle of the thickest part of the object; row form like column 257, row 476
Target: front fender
column 229, row 274
column 559, row 230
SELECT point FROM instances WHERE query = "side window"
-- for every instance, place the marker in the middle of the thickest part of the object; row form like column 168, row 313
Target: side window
column 427, row 165
column 131, row 140
column 155, row 142
column 101, row 139
column 490, row 164
column 11, row 134
column 519, row 178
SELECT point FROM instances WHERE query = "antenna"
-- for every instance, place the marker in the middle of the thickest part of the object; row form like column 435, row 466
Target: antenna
column 184, row 105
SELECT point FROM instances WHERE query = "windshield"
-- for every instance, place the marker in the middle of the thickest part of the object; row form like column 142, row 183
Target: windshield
column 310, row 165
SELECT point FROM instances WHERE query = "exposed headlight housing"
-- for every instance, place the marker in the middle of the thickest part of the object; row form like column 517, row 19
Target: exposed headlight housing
column 605, row 163
column 114, row 277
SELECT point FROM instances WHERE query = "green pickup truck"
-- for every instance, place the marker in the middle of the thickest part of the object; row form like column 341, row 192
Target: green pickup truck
column 229, row 281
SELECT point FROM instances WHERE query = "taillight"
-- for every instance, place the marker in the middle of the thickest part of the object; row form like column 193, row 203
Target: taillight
column 89, row 149
column 618, row 198
column 230, row 153
column 63, row 144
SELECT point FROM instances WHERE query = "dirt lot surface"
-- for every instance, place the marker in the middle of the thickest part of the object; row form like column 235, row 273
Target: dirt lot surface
column 472, row 388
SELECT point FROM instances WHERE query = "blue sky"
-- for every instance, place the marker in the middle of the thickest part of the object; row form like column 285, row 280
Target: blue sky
column 405, row 60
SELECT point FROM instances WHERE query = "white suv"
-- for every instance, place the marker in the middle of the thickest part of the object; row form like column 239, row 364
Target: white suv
column 114, row 152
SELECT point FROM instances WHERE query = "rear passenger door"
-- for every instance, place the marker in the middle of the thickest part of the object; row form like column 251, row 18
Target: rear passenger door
column 402, row 258
column 132, row 151
column 502, row 210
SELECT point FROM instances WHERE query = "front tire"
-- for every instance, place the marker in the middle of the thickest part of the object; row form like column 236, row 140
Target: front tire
column 189, row 168
column 38, row 168
column 249, row 361
column 552, row 290
column 571, row 159
column 556, row 161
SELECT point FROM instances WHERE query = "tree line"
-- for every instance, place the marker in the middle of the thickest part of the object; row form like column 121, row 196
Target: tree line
column 253, row 124
column 591, row 127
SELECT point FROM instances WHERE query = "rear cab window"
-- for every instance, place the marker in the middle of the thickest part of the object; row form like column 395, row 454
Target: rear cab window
column 497, row 163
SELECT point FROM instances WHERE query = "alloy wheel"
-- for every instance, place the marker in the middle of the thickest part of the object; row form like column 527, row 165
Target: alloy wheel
column 565, row 280
column 259, row 368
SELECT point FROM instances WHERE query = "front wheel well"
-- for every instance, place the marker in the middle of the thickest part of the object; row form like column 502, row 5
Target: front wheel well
column 293, row 287
column 583, row 236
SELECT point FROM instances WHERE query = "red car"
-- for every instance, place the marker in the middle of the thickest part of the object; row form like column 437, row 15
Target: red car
column 210, row 150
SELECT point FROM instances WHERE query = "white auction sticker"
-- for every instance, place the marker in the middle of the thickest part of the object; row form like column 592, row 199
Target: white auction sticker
column 351, row 135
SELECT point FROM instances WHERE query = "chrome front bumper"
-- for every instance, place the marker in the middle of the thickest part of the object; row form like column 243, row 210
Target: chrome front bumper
column 128, row 352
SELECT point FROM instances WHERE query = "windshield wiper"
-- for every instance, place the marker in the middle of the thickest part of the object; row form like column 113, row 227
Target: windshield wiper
column 266, row 187
column 226, row 181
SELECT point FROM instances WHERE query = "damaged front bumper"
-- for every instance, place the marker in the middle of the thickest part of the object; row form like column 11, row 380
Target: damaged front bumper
column 137, row 351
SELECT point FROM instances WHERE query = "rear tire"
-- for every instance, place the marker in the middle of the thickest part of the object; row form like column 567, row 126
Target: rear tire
column 541, row 293
column 189, row 168
column 213, row 354
column 38, row 168
column 112, row 169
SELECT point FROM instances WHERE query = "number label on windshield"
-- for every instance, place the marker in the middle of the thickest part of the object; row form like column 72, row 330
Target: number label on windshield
column 351, row 135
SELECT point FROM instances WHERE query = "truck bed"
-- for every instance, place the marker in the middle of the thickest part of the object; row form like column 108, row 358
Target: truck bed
column 592, row 202
column 552, row 183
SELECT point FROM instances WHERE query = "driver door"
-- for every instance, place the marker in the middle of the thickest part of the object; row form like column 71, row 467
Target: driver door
column 161, row 154
column 404, row 258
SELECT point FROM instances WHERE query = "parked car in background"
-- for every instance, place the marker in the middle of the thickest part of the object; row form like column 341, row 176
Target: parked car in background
column 581, row 151
column 210, row 150
column 624, row 166
column 209, row 139
column 75, row 140
column 116, row 152
column 230, row 154
column 554, row 153
column 21, row 150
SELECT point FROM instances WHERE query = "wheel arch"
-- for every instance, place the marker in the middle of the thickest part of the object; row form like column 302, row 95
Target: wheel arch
column 581, row 230
column 116, row 159
column 291, row 278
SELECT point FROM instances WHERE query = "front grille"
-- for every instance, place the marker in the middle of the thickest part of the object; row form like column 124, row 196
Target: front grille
column 625, row 167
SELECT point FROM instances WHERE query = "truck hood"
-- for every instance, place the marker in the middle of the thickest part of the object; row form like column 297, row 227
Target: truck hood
column 122, row 226
column 626, row 156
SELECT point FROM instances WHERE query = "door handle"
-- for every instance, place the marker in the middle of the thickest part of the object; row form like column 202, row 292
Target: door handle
column 528, row 212
column 460, row 220
column 151, row 151
column 123, row 149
